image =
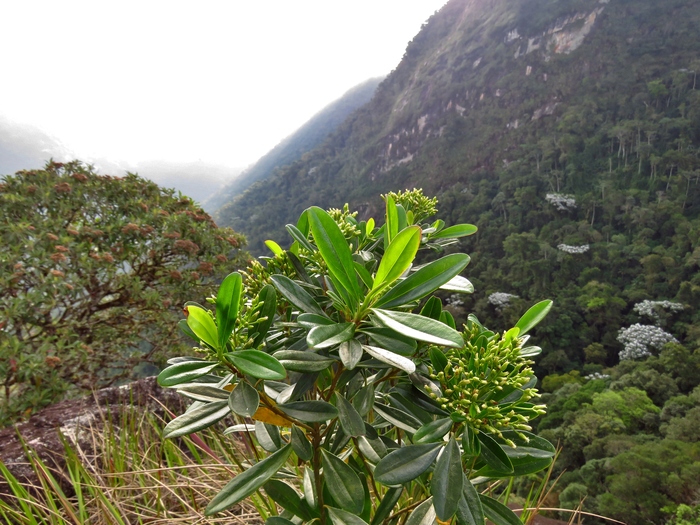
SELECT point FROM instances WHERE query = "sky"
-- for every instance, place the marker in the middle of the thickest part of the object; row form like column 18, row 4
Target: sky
column 220, row 81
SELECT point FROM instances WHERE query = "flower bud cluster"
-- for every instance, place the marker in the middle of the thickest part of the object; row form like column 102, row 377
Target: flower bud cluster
column 651, row 309
column 484, row 382
column 567, row 248
column 500, row 300
column 638, row 338
column 561, row 202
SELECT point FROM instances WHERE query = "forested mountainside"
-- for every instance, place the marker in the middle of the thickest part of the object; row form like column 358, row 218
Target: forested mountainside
column 305, row 139
column 569, row 132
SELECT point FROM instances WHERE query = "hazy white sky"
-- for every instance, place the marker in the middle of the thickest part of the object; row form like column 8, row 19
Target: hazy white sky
column 222, row 81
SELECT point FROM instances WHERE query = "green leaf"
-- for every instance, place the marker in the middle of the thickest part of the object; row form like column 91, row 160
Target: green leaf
column 278, row 520
column 267, row 298
column 470, row 443
column 300, row 361
column 395, row 360
column 336, row 253
column 341, row 517
column 446, row 317
column 185, row 372
column 398, row 417
column 534, row 446
column 469, row 510
column 185, row 329
column 227, row 302
column 398, row 257
column 458, row 284
column 494, row 455
column 326, row 336
column 257, row 364
column 458, row 230
column 203, row 326
column 432, row 308
column 424, row 281
column 296, row 295
column 446, row 486
column 301, row 445
column 310, row 411
column 244, row 399
column 406, row 463
column 196, row 419
column 419, row 327
column 288, row 498
column 498, row 513
column 386, row 505
column 268, row 436
column 350, row 353
column 298, row 236
column 364, row 400
column 423, row 514
column 521, row 466
column 437, row 359
column 392, row 221
column 342, row 482
column 387, row 338
column 274, row 247
column 433, row 431
column 309, row 488
column 204, row 393
column 533, row 316
column 247, row 482
column 310, row 321
column 349, row 418
column 373, row 449
column 364, row 275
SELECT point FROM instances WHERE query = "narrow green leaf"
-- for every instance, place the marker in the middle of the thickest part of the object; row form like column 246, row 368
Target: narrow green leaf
column 204, row 393
column 458, row 230
column 458, row 284
column 185, row 372
column 349, row 418
column 370, row 226
column 386, row 505
column 392, row 222
column 300, row 361
column 227, row 302
column 437, row 359
column 406, row 463
column 350, row 353
column 267, row 298
column 424, row 281
column 395, row 360
column 530, row 351
column 310, row 411
column 244, row 399
column 364, row 275
column 335, row 252
column 432, row 308
column 296, row 295
column 446, row 486
column 469, row 511
column 247, row 482
column 497, row 512
column 533, row 316
column 288, row 498
column 326, row 336
column 398, row 417
column 391, row 340
column 433, row 431
column 470, row 443
column 274, row 247
column 310, row 321
column 299, row 237
column 446, row 317
column 301, row 445
column 309, row 488
column 398, row 257
column 364, row 400
column 419, row 327
column 197, row 419
column 423, row 514
column 342, row 482
column 268, row 436
column 373, row 449
column 494, row 455
column 203, row 326
column 257, row 364
column 341, row 517
column 185, row 329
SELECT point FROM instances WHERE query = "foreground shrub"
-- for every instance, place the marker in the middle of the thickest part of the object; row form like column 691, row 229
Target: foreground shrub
column 355, row 408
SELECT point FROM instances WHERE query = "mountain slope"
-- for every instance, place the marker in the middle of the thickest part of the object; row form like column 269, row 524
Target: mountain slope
column 305, row 139
column 498, row 104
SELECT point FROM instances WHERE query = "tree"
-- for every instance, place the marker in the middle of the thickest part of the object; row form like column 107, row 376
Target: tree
column 93, row 271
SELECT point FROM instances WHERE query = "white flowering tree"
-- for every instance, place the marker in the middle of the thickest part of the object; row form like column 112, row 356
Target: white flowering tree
column 561, row 202
column 639, row 339
column 655, row 309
